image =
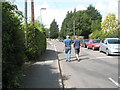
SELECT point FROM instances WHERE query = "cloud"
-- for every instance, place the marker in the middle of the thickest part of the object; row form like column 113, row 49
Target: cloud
column 106, row 7
column 58, row 13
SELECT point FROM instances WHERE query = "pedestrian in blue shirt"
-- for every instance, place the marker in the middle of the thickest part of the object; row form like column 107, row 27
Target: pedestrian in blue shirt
column 77, row 47
column 67, row 43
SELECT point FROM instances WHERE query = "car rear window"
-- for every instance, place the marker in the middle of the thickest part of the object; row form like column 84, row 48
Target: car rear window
column 86, row 40
column 96, row 41
column 114, row 41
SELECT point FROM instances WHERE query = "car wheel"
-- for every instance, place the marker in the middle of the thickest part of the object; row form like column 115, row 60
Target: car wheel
column 107, row 52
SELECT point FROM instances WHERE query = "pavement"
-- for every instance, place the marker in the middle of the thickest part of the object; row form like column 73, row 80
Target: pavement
column 45, row 72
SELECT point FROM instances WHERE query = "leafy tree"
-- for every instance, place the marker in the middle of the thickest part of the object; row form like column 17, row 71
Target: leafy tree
column 82, row 22
column 110, row 28
column 54, row 30
column 67, row 25
column 110, row 23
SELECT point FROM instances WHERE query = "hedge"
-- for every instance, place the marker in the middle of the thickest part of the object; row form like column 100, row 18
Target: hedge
column 14, row 52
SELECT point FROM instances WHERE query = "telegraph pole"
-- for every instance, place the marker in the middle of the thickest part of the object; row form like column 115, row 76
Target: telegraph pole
column 32, row 11
column 119, row 10
column 25, row 23
column 74, row 26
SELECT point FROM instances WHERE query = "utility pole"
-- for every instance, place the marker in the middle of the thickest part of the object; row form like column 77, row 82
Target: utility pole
column 119, row 10
column 32, row 11
column 74, row 26
column 74, row 21
column 25, row 23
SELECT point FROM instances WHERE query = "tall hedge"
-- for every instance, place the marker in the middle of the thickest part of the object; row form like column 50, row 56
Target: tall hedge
column 13, row 56
column 15, row 53
column 36, row 43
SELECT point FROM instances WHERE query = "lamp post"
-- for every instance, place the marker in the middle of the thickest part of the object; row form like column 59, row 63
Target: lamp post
column 41, row 16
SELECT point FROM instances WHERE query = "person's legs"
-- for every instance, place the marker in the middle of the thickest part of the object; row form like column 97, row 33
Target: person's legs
column 77, row 53
column 69, row 55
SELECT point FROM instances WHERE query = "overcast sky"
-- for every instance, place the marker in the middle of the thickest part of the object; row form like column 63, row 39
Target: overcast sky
column 57, row 9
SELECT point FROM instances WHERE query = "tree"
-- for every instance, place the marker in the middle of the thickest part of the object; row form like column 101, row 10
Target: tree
column 110, row 25
column 110, row 28
column 82, row 22
column 54, row 30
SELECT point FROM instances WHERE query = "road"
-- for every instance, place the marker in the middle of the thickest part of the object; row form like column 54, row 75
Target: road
column 95, row 69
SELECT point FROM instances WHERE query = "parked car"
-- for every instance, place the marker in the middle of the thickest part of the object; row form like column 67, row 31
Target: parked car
column 84, row 41
column 93, row 44
column 111, row 46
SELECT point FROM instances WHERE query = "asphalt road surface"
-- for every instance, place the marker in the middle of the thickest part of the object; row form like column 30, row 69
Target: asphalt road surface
column 94, row 70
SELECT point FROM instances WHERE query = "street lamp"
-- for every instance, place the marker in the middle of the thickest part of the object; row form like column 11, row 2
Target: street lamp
column 41, row 16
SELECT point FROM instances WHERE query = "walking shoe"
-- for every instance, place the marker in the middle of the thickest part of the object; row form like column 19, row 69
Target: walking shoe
column 66, row 60
column 78, row 60
column 69, row 61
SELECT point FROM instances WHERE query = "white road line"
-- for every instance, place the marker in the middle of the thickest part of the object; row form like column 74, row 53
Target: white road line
column 117, row 84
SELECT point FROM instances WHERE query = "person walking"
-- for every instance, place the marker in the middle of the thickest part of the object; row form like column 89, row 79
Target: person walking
column 77, row 46
column 67, row 44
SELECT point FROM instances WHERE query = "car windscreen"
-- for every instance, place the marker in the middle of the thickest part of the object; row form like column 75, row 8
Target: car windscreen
column 96, row 41
column 86, row 40
column 114, row 41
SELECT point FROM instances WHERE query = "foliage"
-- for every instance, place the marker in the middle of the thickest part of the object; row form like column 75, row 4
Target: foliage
column 13, row 56
column 14, row 52
column 54, row 30
column 81, row 23
column 110, row 23
column 110, row 28
column 36, row 42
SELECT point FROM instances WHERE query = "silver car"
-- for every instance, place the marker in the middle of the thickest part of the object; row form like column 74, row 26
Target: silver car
column 111, row 46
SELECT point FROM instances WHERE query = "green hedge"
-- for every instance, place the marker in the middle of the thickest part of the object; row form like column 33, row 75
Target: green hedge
column 36, row 43
column 14, row 52
column 13, row 56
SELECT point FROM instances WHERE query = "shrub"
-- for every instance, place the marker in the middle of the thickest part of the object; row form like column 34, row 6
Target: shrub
column 13, row 56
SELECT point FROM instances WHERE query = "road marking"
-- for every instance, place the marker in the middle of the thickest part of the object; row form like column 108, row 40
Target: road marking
column 49, row 61
column 104, row 57
column 117, row 84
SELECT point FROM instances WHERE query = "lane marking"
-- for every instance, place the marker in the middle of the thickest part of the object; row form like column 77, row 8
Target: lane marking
column 117, row 84
column 104, row 57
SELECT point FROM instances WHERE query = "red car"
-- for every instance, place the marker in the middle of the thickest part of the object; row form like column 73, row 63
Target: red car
column 93, row 44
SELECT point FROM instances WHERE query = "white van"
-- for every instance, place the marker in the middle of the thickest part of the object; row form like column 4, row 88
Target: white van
column 111, row 46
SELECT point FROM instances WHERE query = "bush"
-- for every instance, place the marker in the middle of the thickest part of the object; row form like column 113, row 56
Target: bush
column 36, row 43
column 14, row 52
column 13, row 56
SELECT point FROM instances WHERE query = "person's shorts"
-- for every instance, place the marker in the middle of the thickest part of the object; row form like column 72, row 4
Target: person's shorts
column 77, row 50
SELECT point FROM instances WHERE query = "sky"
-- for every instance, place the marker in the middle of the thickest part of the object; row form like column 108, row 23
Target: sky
column 57, row 9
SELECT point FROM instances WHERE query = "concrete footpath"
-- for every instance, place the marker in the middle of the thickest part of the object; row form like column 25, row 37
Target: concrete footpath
column 44, row 73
